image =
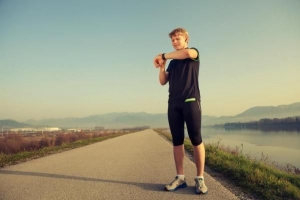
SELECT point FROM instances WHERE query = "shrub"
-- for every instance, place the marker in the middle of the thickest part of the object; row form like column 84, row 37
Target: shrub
column 83, row 136
column 60, row 139
column 44, row 142
column 11, row 143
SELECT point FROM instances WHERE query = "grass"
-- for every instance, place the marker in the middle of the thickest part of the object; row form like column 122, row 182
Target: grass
column 45, row 147
column 253, row 175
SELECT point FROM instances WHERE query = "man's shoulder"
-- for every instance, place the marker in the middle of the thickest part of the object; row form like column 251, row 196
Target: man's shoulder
column 198, row 55
column 195, row 48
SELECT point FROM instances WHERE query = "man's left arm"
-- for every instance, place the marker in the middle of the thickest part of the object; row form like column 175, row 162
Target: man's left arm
column 191, row 53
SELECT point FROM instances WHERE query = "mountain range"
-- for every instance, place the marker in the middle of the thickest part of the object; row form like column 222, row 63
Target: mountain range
column 257, row 113
column 9, row 123
column 127, row 119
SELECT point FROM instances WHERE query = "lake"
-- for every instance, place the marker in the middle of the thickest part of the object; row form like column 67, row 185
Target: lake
column 283, row 147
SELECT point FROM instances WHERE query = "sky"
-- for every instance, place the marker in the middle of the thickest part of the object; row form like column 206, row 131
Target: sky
column 64, row 58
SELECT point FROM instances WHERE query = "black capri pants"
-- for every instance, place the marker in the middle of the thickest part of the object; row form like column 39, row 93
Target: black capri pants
column 189, row 113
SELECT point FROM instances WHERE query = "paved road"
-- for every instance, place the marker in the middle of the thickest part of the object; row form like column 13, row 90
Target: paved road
column 133, row 166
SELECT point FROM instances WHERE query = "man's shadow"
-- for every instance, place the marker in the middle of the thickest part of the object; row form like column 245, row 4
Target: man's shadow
column 145, row 186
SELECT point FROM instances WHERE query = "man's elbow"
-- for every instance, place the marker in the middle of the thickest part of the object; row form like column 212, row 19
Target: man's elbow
column 163, row 82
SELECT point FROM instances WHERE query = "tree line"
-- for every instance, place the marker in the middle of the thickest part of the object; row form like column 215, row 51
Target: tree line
column 288, row 123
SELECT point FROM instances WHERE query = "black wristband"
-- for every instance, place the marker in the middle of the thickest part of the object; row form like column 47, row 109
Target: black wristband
column 163, row 56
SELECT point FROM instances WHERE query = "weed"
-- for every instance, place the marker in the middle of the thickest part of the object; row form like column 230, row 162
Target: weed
column 14, row 148
column 254, row 175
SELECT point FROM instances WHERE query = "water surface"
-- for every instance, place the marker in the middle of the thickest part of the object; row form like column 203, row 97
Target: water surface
column 283, row 147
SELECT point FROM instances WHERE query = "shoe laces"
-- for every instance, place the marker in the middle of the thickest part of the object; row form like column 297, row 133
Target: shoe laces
column 175, row 180
column 199, row 182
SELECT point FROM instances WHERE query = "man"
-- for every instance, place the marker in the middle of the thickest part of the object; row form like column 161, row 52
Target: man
column 183, row 105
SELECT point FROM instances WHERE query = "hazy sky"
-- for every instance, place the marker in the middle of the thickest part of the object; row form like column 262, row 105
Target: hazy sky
column 74, row 58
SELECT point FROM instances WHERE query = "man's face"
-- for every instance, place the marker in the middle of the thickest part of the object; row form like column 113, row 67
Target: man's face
column 179, row 41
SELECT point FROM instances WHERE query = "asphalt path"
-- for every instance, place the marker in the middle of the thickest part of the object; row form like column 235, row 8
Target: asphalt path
column 132, row 166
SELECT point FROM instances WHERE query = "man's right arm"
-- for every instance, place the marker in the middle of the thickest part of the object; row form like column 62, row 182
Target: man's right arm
column 163, row 76
column 161, row 64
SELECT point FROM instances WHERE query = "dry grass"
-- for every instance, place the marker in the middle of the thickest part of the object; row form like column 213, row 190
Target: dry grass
column 13, row 143
column 255, row 175
column 17, row 148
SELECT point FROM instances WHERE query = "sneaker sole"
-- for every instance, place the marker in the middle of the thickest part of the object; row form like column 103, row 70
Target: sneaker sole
column 184, row 185
column 202, row 192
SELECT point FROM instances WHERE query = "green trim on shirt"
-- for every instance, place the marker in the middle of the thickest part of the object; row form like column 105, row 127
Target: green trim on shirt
column 190, row 99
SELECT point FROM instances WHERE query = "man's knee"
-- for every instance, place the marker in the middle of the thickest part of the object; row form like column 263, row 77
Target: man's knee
column 177, row 143
column 196, row 140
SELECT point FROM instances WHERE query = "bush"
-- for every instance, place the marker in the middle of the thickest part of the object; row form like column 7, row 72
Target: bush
column 11, row 143
column 32, row 145
column 83, row 136
column 15, row 143
column 60, row 139
column 44, row 142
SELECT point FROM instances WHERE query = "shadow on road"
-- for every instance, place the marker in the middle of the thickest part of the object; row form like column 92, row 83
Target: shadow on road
column 145, row 186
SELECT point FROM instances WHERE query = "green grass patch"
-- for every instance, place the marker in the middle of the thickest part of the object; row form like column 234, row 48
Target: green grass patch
column 255, row 176
column 11, row 159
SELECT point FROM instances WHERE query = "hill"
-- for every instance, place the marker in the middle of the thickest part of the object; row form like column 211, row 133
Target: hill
column 110, row 120
column 9, row 123
column 266, row 111
column 259, row 112
column 130, row 119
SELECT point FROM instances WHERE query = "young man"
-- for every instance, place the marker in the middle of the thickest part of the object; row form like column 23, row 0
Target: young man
column 183, row 105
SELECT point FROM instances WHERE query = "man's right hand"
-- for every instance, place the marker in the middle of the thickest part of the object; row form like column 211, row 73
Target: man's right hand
column 158, row 61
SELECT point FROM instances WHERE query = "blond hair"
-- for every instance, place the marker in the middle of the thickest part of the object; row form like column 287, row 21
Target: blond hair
column 181, row 31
